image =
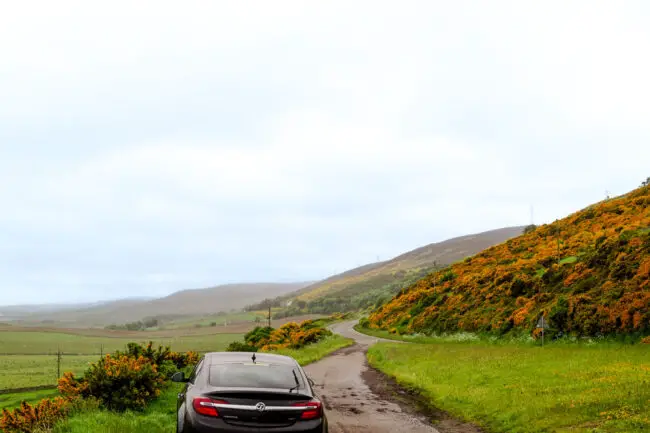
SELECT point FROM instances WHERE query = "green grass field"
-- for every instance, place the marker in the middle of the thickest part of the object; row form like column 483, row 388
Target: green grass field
column 11, row 401
column 21, row 371
column 520, row 388
column 23, row 342
column 219, row 320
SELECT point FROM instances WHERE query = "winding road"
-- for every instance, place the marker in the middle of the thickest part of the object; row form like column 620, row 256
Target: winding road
column 352, row 393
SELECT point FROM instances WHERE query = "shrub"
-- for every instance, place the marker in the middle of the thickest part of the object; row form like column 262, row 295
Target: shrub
column 646, row 340
column 119, row 383
column 294, row 336
column 559, row 315
column 304, row 337
column 447, row 276
column 290, row 335
column 182, row 360
column 126, row 380
column 162, row 357
column 28, row 418
column 155, row 356
column 71, row 387
column 239, row 346
column 258, row 335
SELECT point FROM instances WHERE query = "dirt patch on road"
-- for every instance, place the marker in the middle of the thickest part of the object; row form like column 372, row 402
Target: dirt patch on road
column 411, row 401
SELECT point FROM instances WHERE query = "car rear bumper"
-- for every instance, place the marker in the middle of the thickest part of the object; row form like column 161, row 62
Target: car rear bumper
column 201, row 424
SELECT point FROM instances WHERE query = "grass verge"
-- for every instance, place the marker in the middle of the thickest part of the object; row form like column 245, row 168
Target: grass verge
column 160, row 416
column 314, row 352
column 511, row 388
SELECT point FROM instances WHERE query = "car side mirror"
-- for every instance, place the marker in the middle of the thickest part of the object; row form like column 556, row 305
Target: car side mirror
column 179, row 376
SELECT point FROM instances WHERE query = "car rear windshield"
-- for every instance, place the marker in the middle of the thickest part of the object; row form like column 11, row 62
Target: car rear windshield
column 250, row 375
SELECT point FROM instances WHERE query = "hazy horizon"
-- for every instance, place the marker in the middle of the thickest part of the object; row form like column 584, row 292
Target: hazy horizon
column 151, row 147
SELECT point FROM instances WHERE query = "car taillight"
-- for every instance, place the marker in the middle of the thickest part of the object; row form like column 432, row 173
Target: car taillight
column 205, row 406
column 313, row 409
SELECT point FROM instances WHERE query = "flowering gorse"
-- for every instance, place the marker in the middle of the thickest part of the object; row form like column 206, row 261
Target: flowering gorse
column 290, row 335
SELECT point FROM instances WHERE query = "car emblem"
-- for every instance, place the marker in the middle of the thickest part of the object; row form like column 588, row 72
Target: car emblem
column 260, row 407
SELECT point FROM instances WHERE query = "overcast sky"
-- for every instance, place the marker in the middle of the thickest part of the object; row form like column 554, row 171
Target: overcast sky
column 152, row 146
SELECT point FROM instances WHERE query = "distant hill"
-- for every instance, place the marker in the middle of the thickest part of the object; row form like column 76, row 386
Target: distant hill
column 191, row 302
column 375, row 283
column 588, row 273
column 27, row 309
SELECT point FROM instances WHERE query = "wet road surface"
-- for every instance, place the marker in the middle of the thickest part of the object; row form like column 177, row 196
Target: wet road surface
column 344, row 382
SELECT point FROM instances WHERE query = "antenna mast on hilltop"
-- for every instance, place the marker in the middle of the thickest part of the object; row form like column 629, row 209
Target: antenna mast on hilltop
column 532, row 214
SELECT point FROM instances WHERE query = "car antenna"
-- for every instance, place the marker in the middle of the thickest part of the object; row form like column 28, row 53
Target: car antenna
column 254, row 358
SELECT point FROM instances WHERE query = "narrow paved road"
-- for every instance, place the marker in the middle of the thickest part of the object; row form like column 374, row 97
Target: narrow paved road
column 343, row 383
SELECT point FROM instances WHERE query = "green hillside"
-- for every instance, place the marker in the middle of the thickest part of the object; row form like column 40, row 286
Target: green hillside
column 587, row 273
column 372, row 285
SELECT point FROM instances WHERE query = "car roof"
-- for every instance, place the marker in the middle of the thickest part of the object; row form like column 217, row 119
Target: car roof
column 270, row 358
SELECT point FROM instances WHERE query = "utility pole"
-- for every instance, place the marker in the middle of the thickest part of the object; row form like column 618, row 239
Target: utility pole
column 58, row 363
column 269, row 314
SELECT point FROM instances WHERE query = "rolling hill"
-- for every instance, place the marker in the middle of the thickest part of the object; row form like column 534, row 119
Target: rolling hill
column 193, row 302
column 375, row 283
column 587, row 273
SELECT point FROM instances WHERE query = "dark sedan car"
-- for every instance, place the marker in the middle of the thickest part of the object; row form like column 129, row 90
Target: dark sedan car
column 242, row 392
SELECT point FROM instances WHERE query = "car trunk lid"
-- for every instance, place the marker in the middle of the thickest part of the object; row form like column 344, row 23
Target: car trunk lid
column 260, row 409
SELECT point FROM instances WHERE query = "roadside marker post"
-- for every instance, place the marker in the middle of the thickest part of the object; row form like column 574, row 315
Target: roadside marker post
column 541, row 324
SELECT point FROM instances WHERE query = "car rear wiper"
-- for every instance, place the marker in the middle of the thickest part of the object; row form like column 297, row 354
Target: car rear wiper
column 295, row 377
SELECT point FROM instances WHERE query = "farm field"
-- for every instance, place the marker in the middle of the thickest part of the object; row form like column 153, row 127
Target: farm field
column 168, row 331
column 231, row 319
column 520, row 388
column 13, row 400
column 41, row 342
column 22, row 371
column 28, row 359
column 28, row 355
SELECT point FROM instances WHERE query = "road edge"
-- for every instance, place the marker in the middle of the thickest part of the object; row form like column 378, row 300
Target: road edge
column 410, row 400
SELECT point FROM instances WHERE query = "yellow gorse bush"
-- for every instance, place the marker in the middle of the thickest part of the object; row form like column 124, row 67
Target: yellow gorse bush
column 588, row 273
column 118, row 382
column 27, row 418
